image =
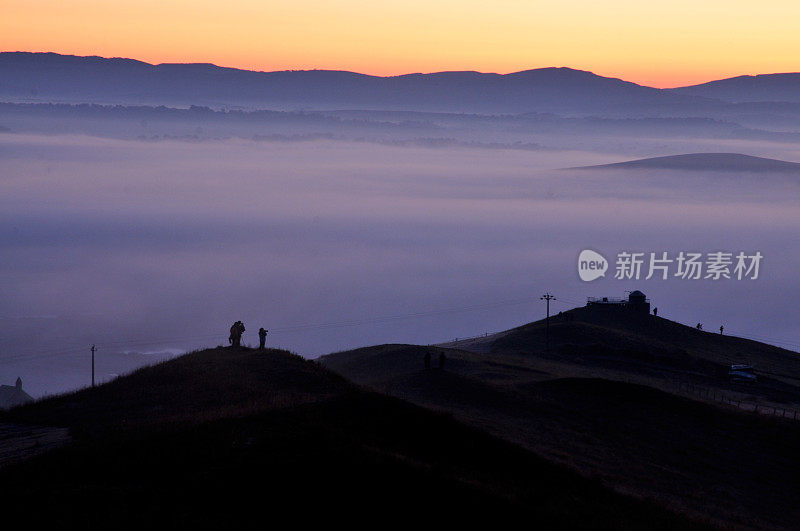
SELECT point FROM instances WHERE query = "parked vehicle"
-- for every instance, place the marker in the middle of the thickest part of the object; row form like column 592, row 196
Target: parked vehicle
column 742, row 373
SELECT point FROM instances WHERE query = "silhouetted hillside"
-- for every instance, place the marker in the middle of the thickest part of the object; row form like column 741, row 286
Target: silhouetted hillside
column 619, row 339
column 239, row 438
column 727, row 162
column 617, row 329
column 605, row 399
column 760, row 88
column 52, row 77
column 193, row 388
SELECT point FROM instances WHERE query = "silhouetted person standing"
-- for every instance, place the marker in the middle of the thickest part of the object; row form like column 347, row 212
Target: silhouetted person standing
column 427, row 360
column 655, row 312
column 721, row 328
column 262, row 338
column 239, row 334
column 236, row 334
column 442, row 359
column 234, row 330
column 699, row 326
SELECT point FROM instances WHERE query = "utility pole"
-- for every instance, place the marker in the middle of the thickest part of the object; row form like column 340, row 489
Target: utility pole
column 547, row 297
column 93, row 349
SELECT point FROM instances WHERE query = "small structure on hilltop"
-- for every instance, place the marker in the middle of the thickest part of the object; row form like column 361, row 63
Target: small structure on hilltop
column 13, row 395
column 636, row 302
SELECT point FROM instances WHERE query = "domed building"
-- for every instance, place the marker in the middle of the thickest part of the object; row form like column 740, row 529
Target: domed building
column 636, row 302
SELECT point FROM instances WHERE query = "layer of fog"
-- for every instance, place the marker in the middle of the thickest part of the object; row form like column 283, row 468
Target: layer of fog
column 142, row 247
column 632, row 137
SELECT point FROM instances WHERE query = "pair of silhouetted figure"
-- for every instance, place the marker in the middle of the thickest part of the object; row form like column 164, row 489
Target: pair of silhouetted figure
column 442, row 359
column 237, row 330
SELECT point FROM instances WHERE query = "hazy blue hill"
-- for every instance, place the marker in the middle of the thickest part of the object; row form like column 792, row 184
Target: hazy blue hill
column 563, row 90
column 761, row 88
column 53, row 77
column 727, row 162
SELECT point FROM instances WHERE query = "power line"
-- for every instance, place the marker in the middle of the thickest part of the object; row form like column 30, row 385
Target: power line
column 76, row 350
column 40, row 354
column 547, row 297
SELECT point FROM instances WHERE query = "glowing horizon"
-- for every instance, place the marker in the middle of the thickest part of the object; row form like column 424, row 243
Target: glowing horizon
column 659, row 44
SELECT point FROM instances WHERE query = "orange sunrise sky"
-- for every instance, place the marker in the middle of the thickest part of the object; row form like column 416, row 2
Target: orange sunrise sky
column 662, row 44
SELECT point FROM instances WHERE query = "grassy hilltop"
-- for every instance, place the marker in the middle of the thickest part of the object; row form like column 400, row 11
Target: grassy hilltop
column 227, row 437
column 608, row 399
column 589, row 433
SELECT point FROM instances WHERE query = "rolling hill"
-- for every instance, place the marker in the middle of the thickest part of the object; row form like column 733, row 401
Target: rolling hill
column 242, row 438
column 607, row 399
column 725, row 162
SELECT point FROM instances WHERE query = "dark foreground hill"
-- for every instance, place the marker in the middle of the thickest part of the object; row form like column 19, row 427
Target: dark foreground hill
column 722, row 162
column 190, row 389
column 606, row 399
column 239, row 438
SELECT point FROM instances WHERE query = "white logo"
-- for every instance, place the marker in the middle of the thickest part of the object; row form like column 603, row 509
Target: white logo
column 591, row 265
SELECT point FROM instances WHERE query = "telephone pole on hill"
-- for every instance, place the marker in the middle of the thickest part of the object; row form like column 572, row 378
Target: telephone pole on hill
column 547, row 297
column 93, row 349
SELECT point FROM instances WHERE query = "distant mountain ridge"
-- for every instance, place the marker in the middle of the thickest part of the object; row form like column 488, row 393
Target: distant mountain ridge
column 741, row 89
column 28, row 76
